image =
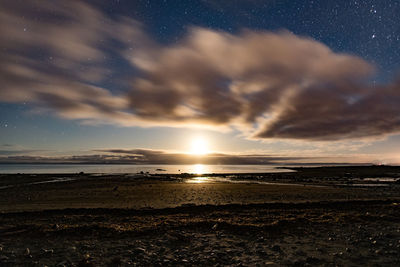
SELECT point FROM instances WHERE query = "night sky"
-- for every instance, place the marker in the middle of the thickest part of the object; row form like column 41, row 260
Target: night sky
column 279, row 78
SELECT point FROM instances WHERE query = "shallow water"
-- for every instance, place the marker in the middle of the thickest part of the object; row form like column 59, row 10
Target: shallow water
column 216, row 179
column 108, row 168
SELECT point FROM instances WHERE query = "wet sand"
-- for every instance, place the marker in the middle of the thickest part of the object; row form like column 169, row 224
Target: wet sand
column 131, row 194
column 123, row 221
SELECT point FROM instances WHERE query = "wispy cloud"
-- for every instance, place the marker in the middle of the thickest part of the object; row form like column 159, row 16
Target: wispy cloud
column 270, row 85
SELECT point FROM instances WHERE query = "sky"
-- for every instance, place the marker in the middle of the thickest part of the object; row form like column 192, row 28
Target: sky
column 208, row 81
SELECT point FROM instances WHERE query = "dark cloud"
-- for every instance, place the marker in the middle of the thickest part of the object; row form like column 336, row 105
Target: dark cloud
column 269, row 85
column 327, row 115
column 147, row 156
column 7, row 145
column 18, row 152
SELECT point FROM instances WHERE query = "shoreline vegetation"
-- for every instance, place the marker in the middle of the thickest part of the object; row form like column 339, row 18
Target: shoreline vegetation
column 314, row 216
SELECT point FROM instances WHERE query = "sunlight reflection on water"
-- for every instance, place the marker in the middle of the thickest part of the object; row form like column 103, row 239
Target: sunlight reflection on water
column 199, row 169
column 199, row 180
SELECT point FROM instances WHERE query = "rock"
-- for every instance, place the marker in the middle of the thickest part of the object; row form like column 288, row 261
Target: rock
column 312, row 260
column 62, row 264
column 276, row 248
column 47, row 251
column 139, row 250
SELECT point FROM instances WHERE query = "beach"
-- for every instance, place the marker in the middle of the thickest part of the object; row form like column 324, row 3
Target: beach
column 291, row 219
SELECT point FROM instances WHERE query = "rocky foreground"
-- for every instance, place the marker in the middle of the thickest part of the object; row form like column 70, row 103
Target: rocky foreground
column 345, row 233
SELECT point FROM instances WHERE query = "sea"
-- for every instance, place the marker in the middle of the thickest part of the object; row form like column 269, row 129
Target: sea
column 132, row 169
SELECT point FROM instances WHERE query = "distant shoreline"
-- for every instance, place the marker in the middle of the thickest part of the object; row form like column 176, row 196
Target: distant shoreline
column 158, row 168
column 158, row 164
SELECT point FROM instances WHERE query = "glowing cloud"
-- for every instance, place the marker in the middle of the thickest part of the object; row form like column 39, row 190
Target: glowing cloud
column 267, row 84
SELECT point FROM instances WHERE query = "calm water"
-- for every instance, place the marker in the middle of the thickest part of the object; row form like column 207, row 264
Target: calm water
column 173, row 169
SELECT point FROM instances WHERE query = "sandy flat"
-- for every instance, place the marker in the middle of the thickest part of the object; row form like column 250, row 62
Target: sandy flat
column 122, row 192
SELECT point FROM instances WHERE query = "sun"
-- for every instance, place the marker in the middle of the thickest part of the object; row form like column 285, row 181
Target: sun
column 199, row 146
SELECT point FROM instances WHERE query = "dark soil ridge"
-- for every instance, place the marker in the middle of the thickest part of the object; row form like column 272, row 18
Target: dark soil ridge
column 197, row 209
column 105, row 228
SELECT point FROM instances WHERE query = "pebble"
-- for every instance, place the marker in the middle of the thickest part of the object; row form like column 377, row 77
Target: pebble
column 215, row 227
column 47, row 251
column 3, row 258
column 140, row 250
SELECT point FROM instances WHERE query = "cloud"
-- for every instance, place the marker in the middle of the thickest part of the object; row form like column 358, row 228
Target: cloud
column 270, row 85
column 7, row 145
column 148, row 156
column 19, row 152
column 252, row 78
column 54, row 53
